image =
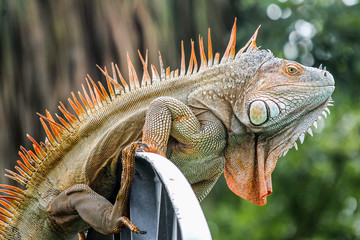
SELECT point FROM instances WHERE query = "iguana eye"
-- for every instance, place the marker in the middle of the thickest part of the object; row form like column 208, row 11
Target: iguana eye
column 258, row 113
column 293, row 69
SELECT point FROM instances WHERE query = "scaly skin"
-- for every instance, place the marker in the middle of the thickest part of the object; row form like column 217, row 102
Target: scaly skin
column 237, row 117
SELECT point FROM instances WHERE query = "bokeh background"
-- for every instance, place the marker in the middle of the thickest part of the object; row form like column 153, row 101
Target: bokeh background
column 48, row 47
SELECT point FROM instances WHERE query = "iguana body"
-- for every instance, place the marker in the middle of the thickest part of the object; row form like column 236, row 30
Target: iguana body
column 236, row 116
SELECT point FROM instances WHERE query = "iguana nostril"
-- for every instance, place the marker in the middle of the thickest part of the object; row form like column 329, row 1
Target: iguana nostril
column 325, row 74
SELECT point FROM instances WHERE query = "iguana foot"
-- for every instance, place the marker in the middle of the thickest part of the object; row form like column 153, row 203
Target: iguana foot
column 93, row 208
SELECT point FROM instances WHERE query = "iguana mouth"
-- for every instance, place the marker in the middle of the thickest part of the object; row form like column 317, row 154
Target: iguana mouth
column 325, row 111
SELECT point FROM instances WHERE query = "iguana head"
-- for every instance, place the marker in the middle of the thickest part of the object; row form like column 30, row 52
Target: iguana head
column 277, row 102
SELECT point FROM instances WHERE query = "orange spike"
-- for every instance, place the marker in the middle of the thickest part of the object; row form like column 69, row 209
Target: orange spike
column 58, row 133
column 114, row 72
column 77, row 111
column 3, row 227
column 183, row 68
column 133, row 79
column 105, row 94
column 97, row 90
column 98, row 99
column 232, row 53
column 118, row 88
column 141, row 57
column 167, row 73
column 65, row 123
column 11, row 199
column 48, row 133
column 27, row 163
column 110, row 87
column 202, row 53
column 108, row 82
column 16, row 177
column 51, row 121
column 216, row 59
column 71, row 118
column 155, row 74
column 27, row 156
column 12, row 193
column 210, row 53
column 56, row 128
column 88, row 100
column 5, row 212
column 95, row 102
column 231, row 43
column 176, row 74
column 191, row 62
column 194, row 59
column 16, row 189
column 23, row 173
column 253, row 46
column 6, row 204
column 47, row 144
column 146, row 77
column 27, row 170
column 40, row 152
column 126, row 86
column 36, row 159
column 243, row 49
column 88, row 110
column 79, row 106
column 44, row 146
column 162, row 69
column 48, row 115
column 25, row 152
column 68, row 118
column 253, row 38
column 37, row 150
column 4, row 218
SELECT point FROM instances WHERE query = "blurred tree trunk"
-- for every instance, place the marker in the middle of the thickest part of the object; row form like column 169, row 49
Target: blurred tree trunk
column 48, row 47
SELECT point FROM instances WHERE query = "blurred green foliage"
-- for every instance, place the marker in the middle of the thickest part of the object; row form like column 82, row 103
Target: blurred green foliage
column 47, row 47
column 316, row 189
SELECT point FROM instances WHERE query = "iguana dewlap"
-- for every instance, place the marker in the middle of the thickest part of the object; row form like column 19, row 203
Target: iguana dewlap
column 236, row 115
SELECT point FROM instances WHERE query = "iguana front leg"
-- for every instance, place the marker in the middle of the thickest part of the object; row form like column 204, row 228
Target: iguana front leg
column 167, row 117
column 196, row 144
column 97, row 211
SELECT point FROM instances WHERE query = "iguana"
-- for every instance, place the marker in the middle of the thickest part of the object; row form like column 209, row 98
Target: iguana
column 235, row 115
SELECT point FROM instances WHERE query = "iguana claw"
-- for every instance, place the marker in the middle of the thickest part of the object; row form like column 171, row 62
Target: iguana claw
column 140, row 232
column 139, row 147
